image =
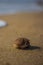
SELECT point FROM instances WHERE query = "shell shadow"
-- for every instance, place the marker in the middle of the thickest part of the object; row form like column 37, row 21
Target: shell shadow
column 31, row 48
column 7, row 63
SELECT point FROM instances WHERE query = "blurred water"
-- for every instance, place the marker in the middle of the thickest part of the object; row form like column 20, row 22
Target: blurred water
column 13, row 6
column 18, row 1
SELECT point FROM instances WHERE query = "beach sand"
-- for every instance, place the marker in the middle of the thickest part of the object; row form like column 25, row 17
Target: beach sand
column 28, row 25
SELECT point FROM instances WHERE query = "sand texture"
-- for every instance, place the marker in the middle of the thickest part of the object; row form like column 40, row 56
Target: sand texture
column 28, row 25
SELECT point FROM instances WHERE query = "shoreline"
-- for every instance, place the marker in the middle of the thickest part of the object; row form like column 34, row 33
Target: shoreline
column 33, row 12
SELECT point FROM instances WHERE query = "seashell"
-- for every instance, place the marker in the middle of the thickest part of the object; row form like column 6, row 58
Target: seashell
column 21, row 43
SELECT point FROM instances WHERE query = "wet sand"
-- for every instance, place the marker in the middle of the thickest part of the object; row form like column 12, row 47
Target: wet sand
column 29, row 25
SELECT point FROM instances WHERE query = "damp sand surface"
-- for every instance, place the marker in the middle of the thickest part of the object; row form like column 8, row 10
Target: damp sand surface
column 28, row 25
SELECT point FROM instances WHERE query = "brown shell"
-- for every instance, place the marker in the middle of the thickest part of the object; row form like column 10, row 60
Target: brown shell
column 22, row 43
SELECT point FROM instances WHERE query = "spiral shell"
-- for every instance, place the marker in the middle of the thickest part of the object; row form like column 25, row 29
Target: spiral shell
column 21, row 43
